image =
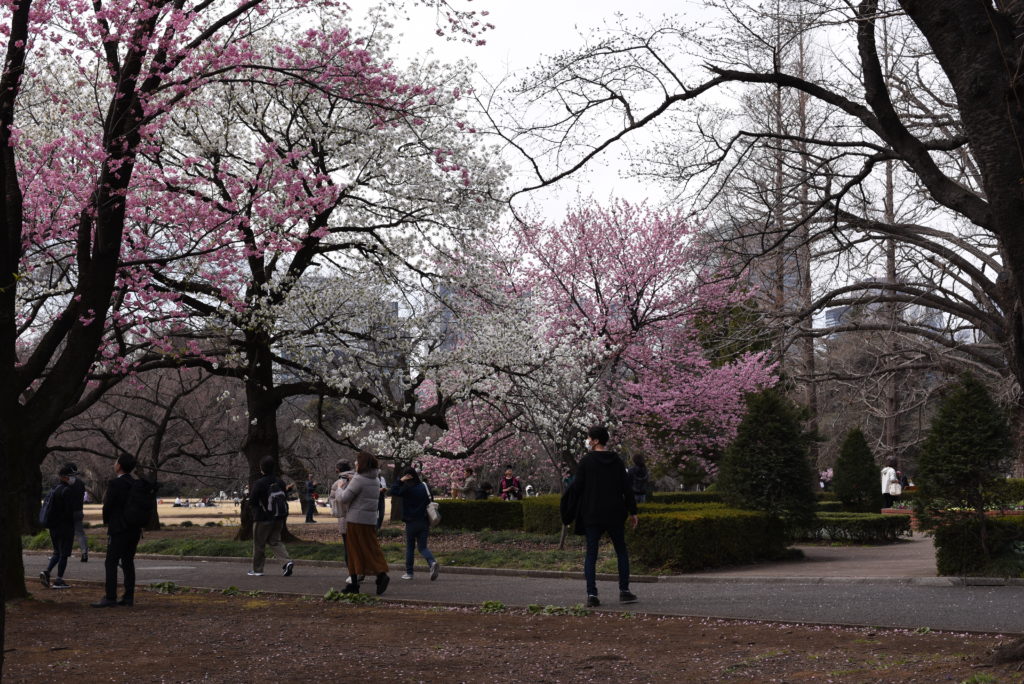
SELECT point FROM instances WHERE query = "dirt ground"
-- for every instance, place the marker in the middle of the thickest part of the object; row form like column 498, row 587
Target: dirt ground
column 210, row 637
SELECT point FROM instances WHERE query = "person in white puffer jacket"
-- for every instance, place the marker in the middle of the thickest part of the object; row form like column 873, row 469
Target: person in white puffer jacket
column 364, row 553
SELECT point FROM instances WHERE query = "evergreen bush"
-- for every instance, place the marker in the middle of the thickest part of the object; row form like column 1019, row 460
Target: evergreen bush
column 960, row 550
column 684, row 541
column 542, row 514
column 857, row 528
column 767, row 467
column 857, row 478
column 964, row 458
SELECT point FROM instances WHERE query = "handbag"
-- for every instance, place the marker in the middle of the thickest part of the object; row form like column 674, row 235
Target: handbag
column 895, row 489
column 433, row 509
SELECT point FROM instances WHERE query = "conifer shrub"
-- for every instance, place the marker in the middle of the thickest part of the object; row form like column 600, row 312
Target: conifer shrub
column 767, row 467
column 857, row 478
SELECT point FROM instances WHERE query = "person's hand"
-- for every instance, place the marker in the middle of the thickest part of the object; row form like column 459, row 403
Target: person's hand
column 405, row 478
column 634, row 520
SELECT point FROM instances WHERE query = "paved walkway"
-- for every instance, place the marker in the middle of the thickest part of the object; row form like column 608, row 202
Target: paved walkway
column 888, row 586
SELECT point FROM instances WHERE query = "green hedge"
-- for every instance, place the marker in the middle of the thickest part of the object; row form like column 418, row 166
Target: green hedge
column 493, row 514
column 541, row 514
column 689, row 540
column 858, row 528
column 959, row 550
column 828, row 506
column 685, row 497
column 1014, row 490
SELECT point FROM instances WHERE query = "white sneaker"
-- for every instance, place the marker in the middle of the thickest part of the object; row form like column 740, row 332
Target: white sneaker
column 406, row 576
column 253, row 573
column 434, row 569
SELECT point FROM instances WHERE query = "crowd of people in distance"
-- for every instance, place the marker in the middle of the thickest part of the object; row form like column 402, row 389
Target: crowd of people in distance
column 597, row 501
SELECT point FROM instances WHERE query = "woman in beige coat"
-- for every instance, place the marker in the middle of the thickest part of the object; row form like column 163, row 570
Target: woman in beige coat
column 345, row 473
column 360, row 497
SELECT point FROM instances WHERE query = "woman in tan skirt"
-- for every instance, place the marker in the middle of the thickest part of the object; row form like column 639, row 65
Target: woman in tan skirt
column 364, row 554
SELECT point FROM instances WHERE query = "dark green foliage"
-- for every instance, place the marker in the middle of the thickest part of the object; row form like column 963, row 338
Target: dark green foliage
column 857, row 479
column 704, row 538
column 541, row 514
column 829, row 506
column 1012, row 491
column 966, row 454
column 858, row 528
column 959, row 549
column 685, row 497
column 493, row 514
column 767, row 467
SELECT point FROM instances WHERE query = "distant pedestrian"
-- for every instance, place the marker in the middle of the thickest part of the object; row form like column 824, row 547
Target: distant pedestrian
column 310, row 498
column 891, row 488
column 509, row 487
column 58, row 511
column 415, row 496
column 123, row 537
column 640, row 478
column 600, row 497
column 269, row 501
column 78, row 501
column 345, row 474
column 381, row 496
column 485, row 491
column 364, row 554
column 468, row 488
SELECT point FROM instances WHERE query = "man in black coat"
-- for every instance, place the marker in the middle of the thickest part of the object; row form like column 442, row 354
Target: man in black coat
column 122, row 538
column 60, row 523
column 602, row 496
column 78, row 502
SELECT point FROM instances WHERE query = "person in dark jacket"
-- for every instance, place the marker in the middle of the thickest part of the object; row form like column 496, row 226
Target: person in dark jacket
column 122, row 538
column 60, row 523
column 310, row 498
column 639, row 477
column 415, row 497
column 266, row 529
column 602, row 494
column 78, row 503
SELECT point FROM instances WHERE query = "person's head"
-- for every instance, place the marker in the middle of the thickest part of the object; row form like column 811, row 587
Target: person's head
column 597, row 434
column 66, row 472
column 892, row 463
column 267, row 465
column 639, row 461
column 343, row 466
column 508, row 471
column 365, row 462
column 125, row 464
column 469, row 471
column 411, row 472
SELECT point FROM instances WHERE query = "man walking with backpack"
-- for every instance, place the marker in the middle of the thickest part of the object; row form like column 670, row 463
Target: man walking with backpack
column 57, row 514
column 123, row 533
column 269, row 500
column 601, row 496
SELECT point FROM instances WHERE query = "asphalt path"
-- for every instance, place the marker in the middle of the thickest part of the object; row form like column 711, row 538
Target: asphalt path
column 777, row 594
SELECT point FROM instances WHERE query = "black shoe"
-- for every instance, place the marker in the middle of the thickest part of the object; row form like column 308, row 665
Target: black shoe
column 382, row 583
column 84, row 558
column 627, row 597
column 126, row 601
column 350, row 589
column 592, row 601
column 104, row 603
column 44, row 578
column 59, row 583
column 287, row 569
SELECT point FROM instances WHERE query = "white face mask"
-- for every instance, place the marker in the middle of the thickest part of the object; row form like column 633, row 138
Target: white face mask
column 71, row 480
column 586, row 444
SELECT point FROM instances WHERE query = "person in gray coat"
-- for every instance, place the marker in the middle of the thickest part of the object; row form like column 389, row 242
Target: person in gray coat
column 364, row 553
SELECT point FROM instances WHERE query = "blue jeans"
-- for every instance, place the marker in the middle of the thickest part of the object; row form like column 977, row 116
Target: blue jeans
column 416, row 532
column 618, row 536
column 62, row 537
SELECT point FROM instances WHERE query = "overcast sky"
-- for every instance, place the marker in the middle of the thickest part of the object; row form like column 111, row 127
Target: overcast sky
column 524, row 32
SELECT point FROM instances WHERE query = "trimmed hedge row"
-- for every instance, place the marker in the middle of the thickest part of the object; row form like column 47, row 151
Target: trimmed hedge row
column 685, row 497
column 493, row 514
column 858, row 528
column 827, row 506
column 959, row 550
column 541, row 514
column 708, row 537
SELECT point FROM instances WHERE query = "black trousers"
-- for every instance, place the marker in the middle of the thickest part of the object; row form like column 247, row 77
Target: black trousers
column 121, row 551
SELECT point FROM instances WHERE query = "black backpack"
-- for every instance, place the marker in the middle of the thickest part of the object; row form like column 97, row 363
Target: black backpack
column 48, row 512
column 276, row 505
column 138, row 509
